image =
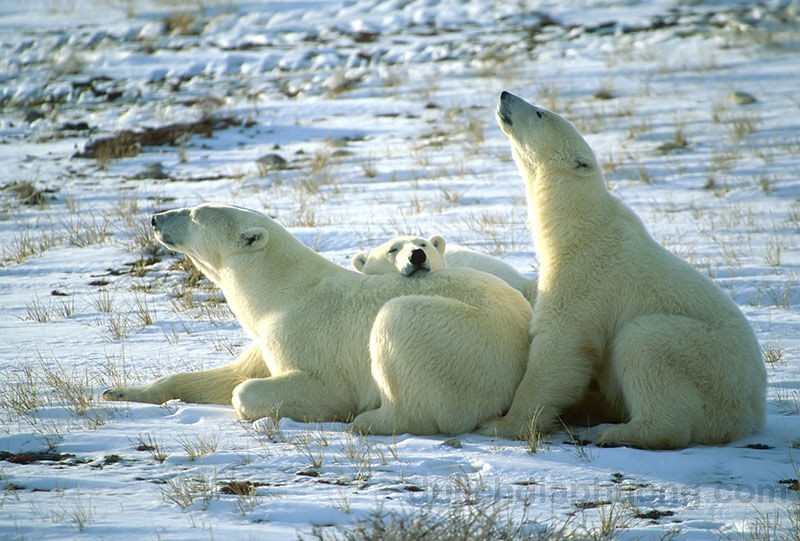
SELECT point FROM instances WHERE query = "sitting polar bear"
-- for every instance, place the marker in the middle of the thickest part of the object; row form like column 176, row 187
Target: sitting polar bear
column 673, row 357
column 407, row 255
column 435, row 353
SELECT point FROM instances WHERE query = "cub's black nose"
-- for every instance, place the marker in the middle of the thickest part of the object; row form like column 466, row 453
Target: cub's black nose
column 418, row 256
column 153, row 220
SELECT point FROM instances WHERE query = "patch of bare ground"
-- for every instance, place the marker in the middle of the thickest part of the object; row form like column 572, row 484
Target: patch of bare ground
column 128, row 143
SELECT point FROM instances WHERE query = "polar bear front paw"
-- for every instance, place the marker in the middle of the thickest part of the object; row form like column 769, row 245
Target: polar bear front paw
column 114, row 394
column 644, row 435
column 503, row 427
column 372, row 422
column 133, row 394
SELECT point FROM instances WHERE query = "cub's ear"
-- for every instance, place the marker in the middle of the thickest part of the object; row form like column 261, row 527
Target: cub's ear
column 359, row 261
column 438, row 243
column 253, row 239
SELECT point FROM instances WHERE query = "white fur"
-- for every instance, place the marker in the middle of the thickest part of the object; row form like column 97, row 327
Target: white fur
column 435, row 353
column 672, row 357
column 462, row 257
column 394, row 256
column 405, row 255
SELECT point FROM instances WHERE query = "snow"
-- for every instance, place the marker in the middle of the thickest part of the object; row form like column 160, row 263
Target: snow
column 383, row 111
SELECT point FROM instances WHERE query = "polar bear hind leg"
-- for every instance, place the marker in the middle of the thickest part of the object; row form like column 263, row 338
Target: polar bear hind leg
column 300, row 396
column 674, row 383
column 440, row 367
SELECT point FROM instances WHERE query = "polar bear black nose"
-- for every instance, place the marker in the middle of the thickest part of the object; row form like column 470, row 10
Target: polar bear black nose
column 153, row 220
column 418, row 256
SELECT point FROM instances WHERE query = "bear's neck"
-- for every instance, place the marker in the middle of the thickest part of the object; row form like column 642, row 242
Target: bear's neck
column 264, row 288
column 565, row 219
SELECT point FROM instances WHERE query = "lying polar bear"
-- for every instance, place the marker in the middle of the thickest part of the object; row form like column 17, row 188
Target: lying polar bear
column 408, row 255
column 438, row 353
column 405, row 255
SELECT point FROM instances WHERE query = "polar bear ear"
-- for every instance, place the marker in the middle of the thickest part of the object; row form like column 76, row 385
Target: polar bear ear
column 253, row 239
column 438, row 243
column 359, row 261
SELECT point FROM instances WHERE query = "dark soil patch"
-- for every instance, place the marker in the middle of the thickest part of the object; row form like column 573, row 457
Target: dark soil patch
column 240, row 488
column 111, row 459
column 794, row 484
column 32, row 458
column 127, row 143
column 591, row 504
column 28, row 194
column 525, row 483
column 653, row 514
column 75, row 126
column 758, row 446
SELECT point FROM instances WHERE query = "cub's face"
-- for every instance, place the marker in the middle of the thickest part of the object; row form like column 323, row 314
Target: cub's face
column 542, row 140
column 404, row 255
column 211, row 234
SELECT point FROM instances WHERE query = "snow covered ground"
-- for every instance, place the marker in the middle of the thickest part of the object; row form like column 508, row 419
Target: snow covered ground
column 351, row 122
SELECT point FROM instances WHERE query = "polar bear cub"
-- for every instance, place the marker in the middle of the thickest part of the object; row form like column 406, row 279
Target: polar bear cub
column 439, row 353
column 671, row 354
column 405, row 255
column 408, row 255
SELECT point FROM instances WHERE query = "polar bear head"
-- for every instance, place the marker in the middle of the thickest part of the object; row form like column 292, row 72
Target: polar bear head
column 405, row 255
column 213, row 235
column 547, row 148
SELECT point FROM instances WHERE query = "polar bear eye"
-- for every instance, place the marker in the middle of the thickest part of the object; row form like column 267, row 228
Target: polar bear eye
column 539, row 114
column 392, row 250
column 423, row 245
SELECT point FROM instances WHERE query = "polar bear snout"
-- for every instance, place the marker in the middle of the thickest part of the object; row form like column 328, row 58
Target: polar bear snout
column 504, row 108
column 159, row 219
column 164, row 224
column 512, row 108
column 417, row 260
column 417, row 257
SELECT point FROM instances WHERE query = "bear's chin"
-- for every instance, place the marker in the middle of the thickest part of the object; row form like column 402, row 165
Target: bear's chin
column 413, row 271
